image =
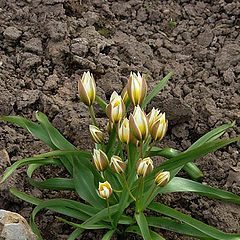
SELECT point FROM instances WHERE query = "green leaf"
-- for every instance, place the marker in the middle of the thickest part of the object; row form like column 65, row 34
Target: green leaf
column 25, row 197
column 178, row 184
column 77, row 232
column 35, row 129
column 101, row 103
column 54, row 184
column 101, row 215
column 57, row 139
column 93, row 226
column 108, row 235
column 143, row 225
column 188, row 156
column 212, row 135
column 136, row 229
column 156, row 90
column 176, row 226
column 204, row 228
column 27, row 161
column 84, row 185
column 77, row 153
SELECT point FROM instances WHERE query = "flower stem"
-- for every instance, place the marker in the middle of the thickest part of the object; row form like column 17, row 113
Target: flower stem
column 109, row 213
column 141, row 149
column 92, row 114
column 138, row 193
column 150, row 147
column 149, row 196
column 125, row 181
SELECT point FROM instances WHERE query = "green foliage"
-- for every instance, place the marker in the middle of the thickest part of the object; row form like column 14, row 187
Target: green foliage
column 127, row 189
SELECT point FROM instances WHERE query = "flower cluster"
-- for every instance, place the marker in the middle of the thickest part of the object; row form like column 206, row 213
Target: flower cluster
column 137, row 129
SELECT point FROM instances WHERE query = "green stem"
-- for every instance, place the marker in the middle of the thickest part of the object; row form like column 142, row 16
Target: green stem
column 141, row 148
column 125, row 181
column 149, row 197
column 138, row 192
column 128, row 157
column 92, row 114
column 150, row 147
column 109, row 213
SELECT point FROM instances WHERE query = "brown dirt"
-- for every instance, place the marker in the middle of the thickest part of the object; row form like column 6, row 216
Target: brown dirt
column 46, row 44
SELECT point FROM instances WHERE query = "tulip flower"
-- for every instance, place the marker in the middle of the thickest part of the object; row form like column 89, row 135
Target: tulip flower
column 96, row 134
column 87, row 89
column 105, row 190
column 138, row 124
column 159, row 128
column 117, row 165
column 124, row 95
column 116, row 108
column 162, row 178
column 100, row 160
column 124, row 132
column 144, row 166
column 153, row 116
column 136, row 88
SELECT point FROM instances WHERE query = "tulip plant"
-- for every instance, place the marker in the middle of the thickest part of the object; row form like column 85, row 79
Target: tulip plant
column 120, row 172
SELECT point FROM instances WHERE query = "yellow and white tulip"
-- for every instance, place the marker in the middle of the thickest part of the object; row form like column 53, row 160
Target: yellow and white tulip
column 159, row 128
column 87, row 88
column 137, row 88
column 138, row 124
column 100, row 160
column 124, row 131
column 144, row 166
column 117, row 165
column 96, row 134
column 116, row 108
column 162, row 178
column 105, row 190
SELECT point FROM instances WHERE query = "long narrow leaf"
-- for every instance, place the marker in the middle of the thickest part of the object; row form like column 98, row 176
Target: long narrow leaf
column 93, row 226
column 35, row 129
column 191, row 155
column 212, row 135
column 108, row 235
column 136, row 229
column 178, row 184
column 143, row 225
column 57, row 139
column 204, row 228
column 101, row 103
column 54, row 184
column 77, row 232
column 27, row 161
column 156, row 90
column 84, row 185
column 176, row 226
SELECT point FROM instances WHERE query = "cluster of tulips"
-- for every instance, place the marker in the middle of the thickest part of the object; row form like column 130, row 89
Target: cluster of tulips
column 136, row 129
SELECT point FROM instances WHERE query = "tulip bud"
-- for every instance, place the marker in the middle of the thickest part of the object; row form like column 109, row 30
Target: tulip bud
column 115, row 109
column 96, row 134
column 105, row 190
column 144, row 166
column 87, row 88
column 124, row 132
column 159, row 128
column 153, row 116
column 162, row 178
column 100, row 160
column 136, row 88
column 138, row 124
column 124, row 95
column 117, row 165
